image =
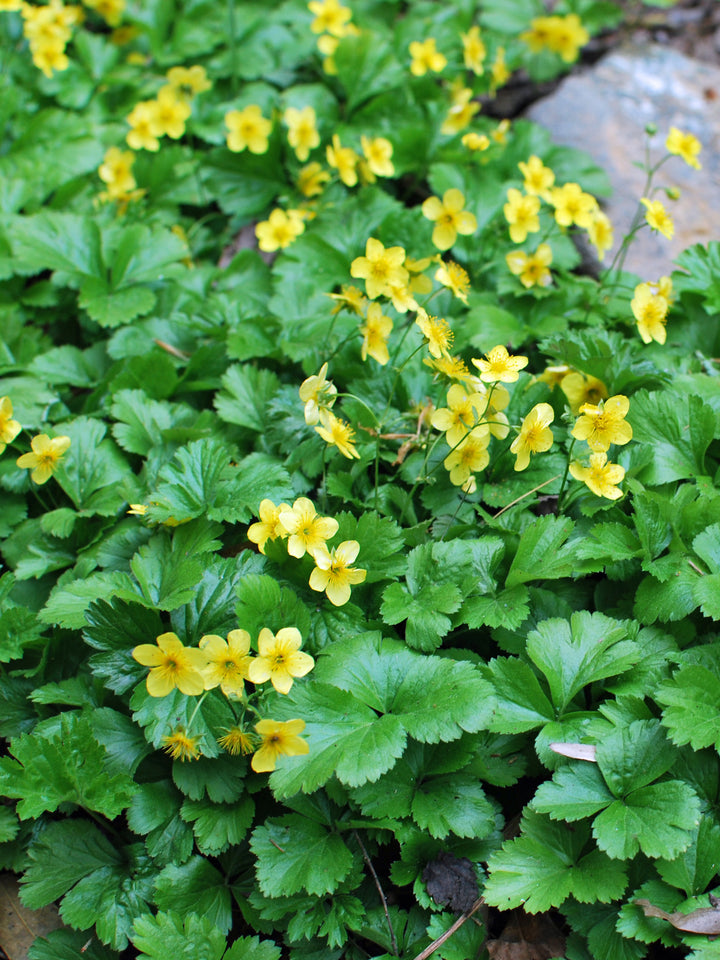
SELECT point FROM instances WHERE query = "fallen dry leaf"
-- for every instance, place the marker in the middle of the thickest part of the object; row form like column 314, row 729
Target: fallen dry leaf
column 705, row 920
column 18, row 925
column 576, row 751
column 528, row 937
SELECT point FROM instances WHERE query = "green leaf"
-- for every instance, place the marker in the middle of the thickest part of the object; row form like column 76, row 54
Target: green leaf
column 93, row 469
column 634, row 755
column 154, row 813
column 253, row 948
column 366, row 65
column 574, row 654
column 141, row 420
column 706, row 593
column 521, row 703
column 548, row 863
column 195, row 887
column 65, row 766
column 66, row 944
column 167, row 577
column 52, row 240
column 84, row 850
column 218, row 825
column 453, row 804
column 246, row 483
column 694, row 868
column 246, row 395
column 174, row 934
column 264, row 603
column 426, row 614
column 188, row 486
column 295, row 853
column 540, row 554
column 672, row 600
column 113, row 308
column 658, row 819
column 221, row 779
column 114, row 628
column 691, row 702
column 68, row 602
column 381, row 541
column 577, row 790
column 609, row 542
column 508, row 608
column 702, row 264
column 679, row 428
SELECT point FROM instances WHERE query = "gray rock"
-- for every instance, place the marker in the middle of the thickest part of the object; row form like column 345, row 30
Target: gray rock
column 605, row 110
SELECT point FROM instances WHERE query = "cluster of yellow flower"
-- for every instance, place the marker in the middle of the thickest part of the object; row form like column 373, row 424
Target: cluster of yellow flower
column 307, row 532
column 571, row 207
column 167, row 114
column 227, row 664
column 46, row 452
column 332, row 22
column 426, row 58
column 564, row 35
column 319, row 395
column 601, row 425
column 650, row 304
column 116, row 172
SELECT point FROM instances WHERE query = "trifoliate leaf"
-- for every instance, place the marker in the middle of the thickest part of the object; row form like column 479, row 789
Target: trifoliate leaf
column 154, row 813
column 114, row 628
column 246, row 395
column 679, row 428
column 65, row 766
column 691, row 701
column 541, row 554
column 188, row 486
column 572, row 655
column 178, row 934
column 195, row 887
column 254, row 478
column 548, row 863
column 658, row 819
column 68, row 602
column 576, row 791
column 453, row 804
column 92, row 469
column 125, row 746
column 633, row 755
column 521, row 703
column 264, row 603
column 426, row 614
column 609, row 542
column 218, row 825
column 167, row 578
column 85, row 850
column 221, row 779
column 706, row 592
column 508, row 608
column 141, row 420
column 672, row 600
column 253, row 948
column 110, row 307
column 381, row 541
column 295, row 853
column 52, row 240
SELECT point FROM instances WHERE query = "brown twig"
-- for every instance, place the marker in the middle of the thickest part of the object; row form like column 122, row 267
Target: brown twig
column 696, row 568
column 366, row 858
column 528, row 494
column 428, row 951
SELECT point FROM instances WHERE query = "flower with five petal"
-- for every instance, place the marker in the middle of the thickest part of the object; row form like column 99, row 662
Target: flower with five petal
column 278, row 739
column 426, row 56
column 521, row 213
column 650, row 311
column 452, row 276
column 573, row 206
column 499, row 365
column 375, row 331
column 469, row 456
column 658, row 218
column 684, row 145
column 461, row 414
column 533, row 269
column 437, row 332
column 318, row 395
column 334, row 572
column 45, row 457
column 269, row 526
column 380, row 268
column 450, row 218
column 227, row 661
column 9, row 428
column 535, row 435
column 600, row 476
column 604, row 424
column 280, row 659
column 303, row 135
column 247, row 129
column 308, row 531
column 173, row 665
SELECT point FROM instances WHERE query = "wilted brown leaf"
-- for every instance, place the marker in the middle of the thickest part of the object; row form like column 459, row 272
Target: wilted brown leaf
column 18, row 925
column 576, row 751
column 705, row 920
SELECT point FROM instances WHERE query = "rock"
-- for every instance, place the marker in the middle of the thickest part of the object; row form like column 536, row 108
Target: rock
column 605, row 110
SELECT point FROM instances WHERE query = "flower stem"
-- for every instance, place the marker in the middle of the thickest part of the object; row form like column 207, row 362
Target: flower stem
column 565, row 476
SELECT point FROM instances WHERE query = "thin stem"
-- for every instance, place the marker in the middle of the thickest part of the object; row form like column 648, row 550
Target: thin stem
column 232, row 44
column 428, row 951
column 197, row 707
column 524, row 495
column 368, row 861
column 565, row 476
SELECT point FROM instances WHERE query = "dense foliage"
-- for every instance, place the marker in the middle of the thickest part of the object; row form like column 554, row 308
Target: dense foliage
column 355, row 530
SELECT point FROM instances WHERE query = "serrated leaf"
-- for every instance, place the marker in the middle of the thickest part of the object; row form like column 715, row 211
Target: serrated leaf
column 52, row 240
column 195, row 887
column 521, row 703
column 253, row 948
column 574, row 654
column 609, row 542
column 218, row 825
column 576, row 791
column 706, row 593
column 381, row 541
column 658, row 819
column 453, row 804
column 254, row 478
column 246, row 394
column 167, row 578
column 541, row 554
column 295, row 853
column 633, row 755
column 154, row 813
column 263, row 602
column 691, row 701
column 141, row 420
column 694, row 868
column 112, row 308
column 509, row 608
column 188, row 486
column 68, row 602
column 426, row 614
column 172, row 934
column 672, row 600
column 92, row 469
column 679, row 428
column 65, row 944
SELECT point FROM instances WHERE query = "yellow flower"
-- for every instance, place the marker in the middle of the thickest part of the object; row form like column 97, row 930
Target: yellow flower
column 650, row 311
column 553, row 376
column 180, row 746
column 350, row 298
column 173, row 665
column 378, row 153
column 279, row 230
column 8, row 5
column 116, row 171
column 308, row 531
column 580, row 388
column 49, row 55
column 303, row 135
column 658, row 218
column 449, row 218
column 470, row 456
column 498, row 365
column 664, row 287
column 600, row 233
column 476, row 141
column 601, row 477
column 137, row 509
column 228, row 661
column 453, row 368
column 334, row 574
column 330, row 17
column 535, row 435
column 171, row 113
column 278, row 740
column 318, row 395
column 539, row 179
column 684, row 145
column 572, row 205
column 474, row 51
column 280, row 659
column 499, row 72
column 9, row 428
column 145, row 128
column 237, row 740
column 499, row 134
column 437, row 332
column 604, row 424
column 188, row 81
column 375, row 331
column 380, row 268
column 45, row 456
column 461, row 414
column 461, row 112
column 247, row 129
column 110, row 10
column 338, row 433
column 532, row 270
column 521, row 213
column 312, row 179
column 452, row 276
column 344, row 160
column 426, row 57
column 269, row 526
column 327, row 45
column 563, row 35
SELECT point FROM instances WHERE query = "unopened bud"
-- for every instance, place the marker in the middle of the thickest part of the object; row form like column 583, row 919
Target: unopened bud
column 672, row 193
column 651, row 129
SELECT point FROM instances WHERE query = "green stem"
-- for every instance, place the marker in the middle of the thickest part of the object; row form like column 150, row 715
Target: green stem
column 232, row 44
column 565, row 476
column 197, row 707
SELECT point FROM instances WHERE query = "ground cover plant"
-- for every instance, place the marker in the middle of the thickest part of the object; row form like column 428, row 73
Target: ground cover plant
column 361, row 546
